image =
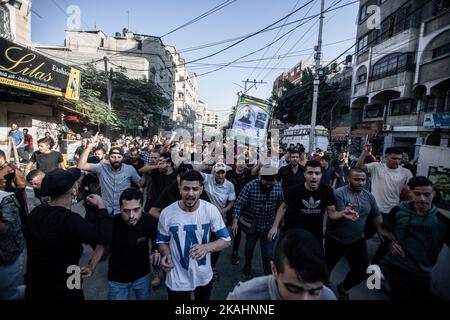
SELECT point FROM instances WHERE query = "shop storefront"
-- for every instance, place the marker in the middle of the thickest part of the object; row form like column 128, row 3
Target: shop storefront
column 34, row 90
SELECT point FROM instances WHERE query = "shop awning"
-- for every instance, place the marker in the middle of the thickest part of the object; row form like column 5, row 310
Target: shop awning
column 340, row 131
column 363, row 132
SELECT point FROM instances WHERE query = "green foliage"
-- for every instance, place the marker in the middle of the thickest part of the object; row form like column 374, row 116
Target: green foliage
column 132, row 99
column 295, row 105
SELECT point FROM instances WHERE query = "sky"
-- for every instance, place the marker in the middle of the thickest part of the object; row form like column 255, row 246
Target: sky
column 239, row 17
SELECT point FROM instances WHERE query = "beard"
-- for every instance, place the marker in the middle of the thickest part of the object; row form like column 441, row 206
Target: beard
column 116, row 165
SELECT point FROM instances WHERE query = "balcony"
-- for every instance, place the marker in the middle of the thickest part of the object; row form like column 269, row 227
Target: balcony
column 360, row 89
column 437, row 22
column 373, row 112
column 396, row 80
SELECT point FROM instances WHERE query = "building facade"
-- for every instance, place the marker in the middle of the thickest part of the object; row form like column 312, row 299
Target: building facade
column 28, row 99
column 186, row 92
column 137, row 56
column 401, row 74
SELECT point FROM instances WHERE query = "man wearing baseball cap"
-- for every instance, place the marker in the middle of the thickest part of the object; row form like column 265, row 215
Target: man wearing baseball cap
column 115, row 176
column 260, row 199
column 221, row 193
column 55, row 235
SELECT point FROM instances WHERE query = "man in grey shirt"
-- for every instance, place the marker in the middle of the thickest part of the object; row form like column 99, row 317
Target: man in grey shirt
column 347, row 237
column 298, row 272
column 114, row 176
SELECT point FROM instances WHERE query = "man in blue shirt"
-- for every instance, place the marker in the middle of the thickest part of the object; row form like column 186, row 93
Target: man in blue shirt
column 18, row 139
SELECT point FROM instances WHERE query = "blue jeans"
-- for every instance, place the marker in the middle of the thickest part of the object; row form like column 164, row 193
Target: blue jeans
column 121, row 290
column 10, row 275
column 266, row 251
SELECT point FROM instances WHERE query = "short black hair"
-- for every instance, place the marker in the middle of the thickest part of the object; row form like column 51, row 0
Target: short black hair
column 33, row 174
column 47, row 140
column 393, row 150
column 134, row 149
column 100, row 149
column 166, row 155
column 419, row 181
column 192, row 176
column 313, row 164
column 326, row 157
column 303, row 253
column 293, row 151
column 131, row 194
column 183, row 168
column 356, row 170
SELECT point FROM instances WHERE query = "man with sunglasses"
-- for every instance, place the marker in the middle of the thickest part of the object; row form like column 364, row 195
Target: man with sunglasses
column 298, row 272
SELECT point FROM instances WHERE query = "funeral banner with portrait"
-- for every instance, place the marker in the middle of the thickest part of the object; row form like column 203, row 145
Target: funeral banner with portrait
column 251, row 120
column 28, row 70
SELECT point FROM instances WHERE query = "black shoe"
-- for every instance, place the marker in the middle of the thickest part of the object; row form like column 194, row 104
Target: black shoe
column 235, row 259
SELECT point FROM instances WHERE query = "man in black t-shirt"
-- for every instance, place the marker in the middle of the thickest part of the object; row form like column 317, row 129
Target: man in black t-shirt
column 292, row 174
column 135, row 160
column 171, row 193
column 46, row 159
column 130, row 258
column 304, row 205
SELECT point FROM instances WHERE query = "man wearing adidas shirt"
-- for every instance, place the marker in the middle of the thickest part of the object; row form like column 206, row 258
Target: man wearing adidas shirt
column 305, row 205
column 183, row 233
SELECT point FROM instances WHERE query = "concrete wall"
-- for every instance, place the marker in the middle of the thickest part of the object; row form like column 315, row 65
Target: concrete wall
column 38, row 118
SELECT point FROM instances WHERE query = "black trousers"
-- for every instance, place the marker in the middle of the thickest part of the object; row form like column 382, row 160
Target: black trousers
column 356, row 254
column 202, row 293
column 406, row 285
column 369, row 232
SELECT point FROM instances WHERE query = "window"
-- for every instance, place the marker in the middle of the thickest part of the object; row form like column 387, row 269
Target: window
column 362, row 12
column 392, row 64
column 401, row 107
column 139, row 44
column 362, row 77
column 440, row 51
column 102, row 42
column 374, row 111
column 395, row 23
column 362, row 44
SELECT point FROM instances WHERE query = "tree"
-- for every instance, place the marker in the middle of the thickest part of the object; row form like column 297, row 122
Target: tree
column 295, row 105
column 132, row 100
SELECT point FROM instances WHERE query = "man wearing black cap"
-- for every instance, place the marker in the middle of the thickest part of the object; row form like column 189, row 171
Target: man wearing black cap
column 55, row 234
column 115, row 176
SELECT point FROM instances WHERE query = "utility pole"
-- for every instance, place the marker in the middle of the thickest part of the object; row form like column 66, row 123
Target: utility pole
column 254, row 82
column 108, row 88
column 317, row 57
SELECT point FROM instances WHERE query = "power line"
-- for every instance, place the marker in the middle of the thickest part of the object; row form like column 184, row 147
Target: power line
column 295, row 44
column 279, row 30
column 203, row 15
column 212, row 44
column 247, row 37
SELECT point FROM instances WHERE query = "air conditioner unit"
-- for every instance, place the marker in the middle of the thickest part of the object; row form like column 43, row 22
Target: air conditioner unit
column 387, row 127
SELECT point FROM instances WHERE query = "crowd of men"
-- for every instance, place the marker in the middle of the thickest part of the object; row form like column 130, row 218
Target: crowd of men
column 155, row 219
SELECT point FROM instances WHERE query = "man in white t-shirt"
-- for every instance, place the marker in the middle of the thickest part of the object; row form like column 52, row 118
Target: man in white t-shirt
column 222, row 195
column 388, row 181
column 183, row 233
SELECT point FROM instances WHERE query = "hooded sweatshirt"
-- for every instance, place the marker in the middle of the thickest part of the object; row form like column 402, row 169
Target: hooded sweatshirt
column 54, row 242
column 421, row 237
